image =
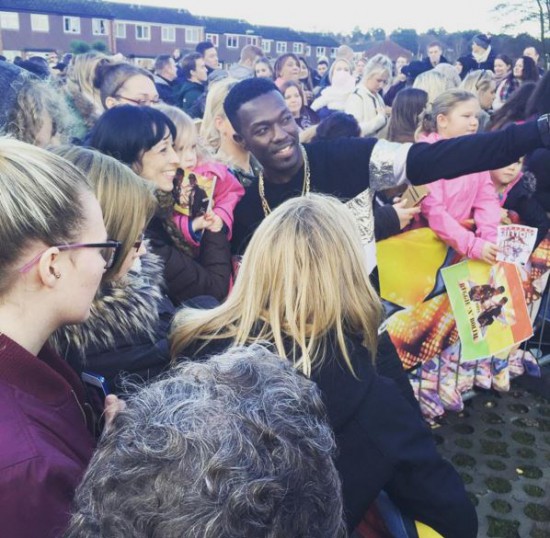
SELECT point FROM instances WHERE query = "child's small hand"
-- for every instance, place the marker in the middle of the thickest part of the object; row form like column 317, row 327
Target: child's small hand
column 213, row 222
column 199, row 223
column 489, row 253
column 404, row 214
column 504, row 217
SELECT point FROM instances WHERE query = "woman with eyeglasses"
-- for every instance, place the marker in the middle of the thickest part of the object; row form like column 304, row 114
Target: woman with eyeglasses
column 124, row 84
column 130, row 315
column 143, row 139
column 55, row 252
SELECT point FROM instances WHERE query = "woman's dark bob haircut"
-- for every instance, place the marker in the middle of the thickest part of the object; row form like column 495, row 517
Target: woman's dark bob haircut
column 125, row 132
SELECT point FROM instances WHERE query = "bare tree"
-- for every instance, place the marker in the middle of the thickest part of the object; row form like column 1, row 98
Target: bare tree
column 528, row 11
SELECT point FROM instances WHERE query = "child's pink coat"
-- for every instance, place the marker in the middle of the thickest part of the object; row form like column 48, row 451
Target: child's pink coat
column 227, row 193
column 452, row 201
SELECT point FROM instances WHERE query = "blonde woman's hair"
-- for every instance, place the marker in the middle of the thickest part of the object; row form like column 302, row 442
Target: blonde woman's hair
column 443, row 104
column 127, row 201
column 450, row 72
column 37, row 101
column 214, row 109
column 434, row 83
column 40, row 202
column 478, row 81
column 80, row 84
column 186, row 130
column 303, row 280
column 379, row 63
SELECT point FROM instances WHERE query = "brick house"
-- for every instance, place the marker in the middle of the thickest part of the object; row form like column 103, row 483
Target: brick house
column 229, row 36
column 38, row 26
column 277, row 41
column 147, row 31
column 321, row 45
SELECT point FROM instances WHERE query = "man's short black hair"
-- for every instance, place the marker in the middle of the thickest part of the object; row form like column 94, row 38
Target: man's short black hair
column 189, row 63
column 241, row 93
column 203, row 46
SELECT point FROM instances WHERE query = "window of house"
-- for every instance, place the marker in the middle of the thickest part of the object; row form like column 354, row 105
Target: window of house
column 333, row 52
column 232, row 41
column 40, row 23
column 192, row 35
column 168, row 33
column 9, row 20
column 71, row 25
column 252, row 40
column 143, row 32
column 120, row 30
column 320, row 51
column 213, row 38
column 298, row 48
column 308, row 50
column 100, row 26
column 267, row 44
column 280, row 48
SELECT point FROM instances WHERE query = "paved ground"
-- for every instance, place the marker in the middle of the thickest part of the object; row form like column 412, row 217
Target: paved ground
column 500, row 444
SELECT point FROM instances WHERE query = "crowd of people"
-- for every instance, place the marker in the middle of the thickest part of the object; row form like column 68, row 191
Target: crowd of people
column 190, row 335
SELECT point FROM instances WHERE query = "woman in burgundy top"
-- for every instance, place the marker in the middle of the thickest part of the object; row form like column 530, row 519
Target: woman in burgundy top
column 54, row 253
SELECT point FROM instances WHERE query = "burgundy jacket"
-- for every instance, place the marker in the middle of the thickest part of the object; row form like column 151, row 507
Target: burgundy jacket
column 45, row 444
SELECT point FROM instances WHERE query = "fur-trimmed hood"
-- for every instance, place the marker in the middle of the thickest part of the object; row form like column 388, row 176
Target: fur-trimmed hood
column 123, row 312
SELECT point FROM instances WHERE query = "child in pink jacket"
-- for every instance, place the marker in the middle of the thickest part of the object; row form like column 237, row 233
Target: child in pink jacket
column 227, row 190
column 452, row 205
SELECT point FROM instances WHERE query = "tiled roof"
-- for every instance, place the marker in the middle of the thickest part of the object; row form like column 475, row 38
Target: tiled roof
column 159, row 15
column 83, row 8
column 217, row 25
column 389, row 48
column 278, row 33
column 320, row 40
column 106, row 10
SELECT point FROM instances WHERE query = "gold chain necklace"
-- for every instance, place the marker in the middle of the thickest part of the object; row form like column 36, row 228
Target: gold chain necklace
column 305, row 188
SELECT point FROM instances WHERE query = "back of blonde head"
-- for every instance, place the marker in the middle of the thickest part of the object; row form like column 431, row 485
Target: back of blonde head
column 434, row 83
column 127, row 201
column 302, row 279
column 40, row 202
column 478, row 81
column 213, row 109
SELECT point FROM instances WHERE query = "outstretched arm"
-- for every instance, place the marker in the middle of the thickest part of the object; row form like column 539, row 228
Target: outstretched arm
column 474, row 153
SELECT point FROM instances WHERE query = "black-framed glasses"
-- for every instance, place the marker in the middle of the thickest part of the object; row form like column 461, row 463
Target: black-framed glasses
column 110, row 251
column 139, row 102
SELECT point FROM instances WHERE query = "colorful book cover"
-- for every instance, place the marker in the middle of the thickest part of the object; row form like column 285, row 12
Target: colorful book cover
column 489, row 307
column 516, row 242
column 193, row 193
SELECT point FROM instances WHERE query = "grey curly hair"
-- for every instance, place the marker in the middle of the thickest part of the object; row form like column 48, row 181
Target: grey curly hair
column 234, row 446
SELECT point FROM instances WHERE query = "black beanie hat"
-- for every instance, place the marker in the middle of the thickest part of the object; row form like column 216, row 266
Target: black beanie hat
column 482, row 40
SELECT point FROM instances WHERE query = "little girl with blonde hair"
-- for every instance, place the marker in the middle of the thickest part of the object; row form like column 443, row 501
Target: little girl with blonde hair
column 203, row 174
column 452, row 204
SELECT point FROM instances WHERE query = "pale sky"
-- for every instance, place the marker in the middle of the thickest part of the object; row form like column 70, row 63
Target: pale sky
column 344, row 15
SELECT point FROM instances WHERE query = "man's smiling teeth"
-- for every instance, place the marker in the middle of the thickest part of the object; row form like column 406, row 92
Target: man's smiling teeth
column 285, row 150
